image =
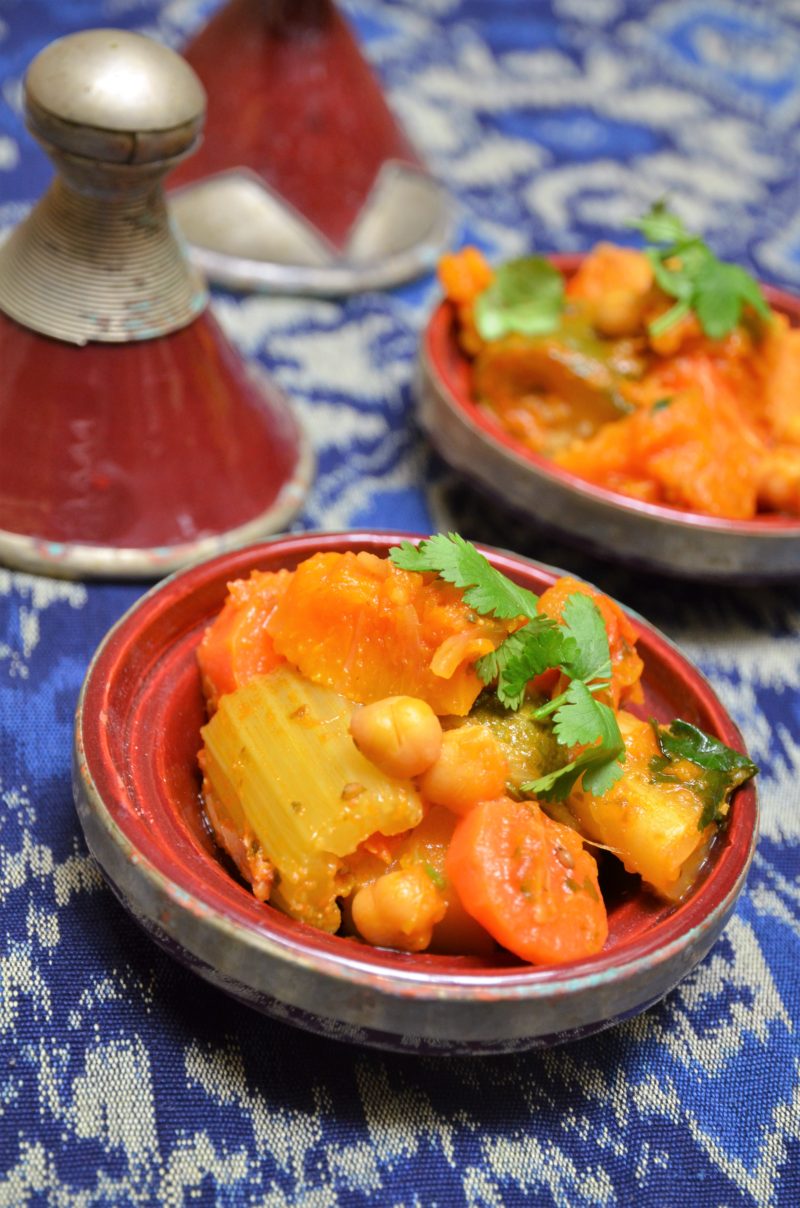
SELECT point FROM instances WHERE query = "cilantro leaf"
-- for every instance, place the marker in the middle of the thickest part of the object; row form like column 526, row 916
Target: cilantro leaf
column 583, row 720
column 557, row 785
column 686, row 269
column 526, row 295
column 576, row 721
column 674, row 281
column 457, row 561
column 721, row 768
column 749, row 290
column 603, row 773
column 533, row 649
column 590, row 664
column 582, row 621
column 577, row 646
column 524, row 654
column 660, row 226
column 682, row 740
column 720, row 292
column 717, row 309
column 600, row 765
column 491, row 667
column 669, row 318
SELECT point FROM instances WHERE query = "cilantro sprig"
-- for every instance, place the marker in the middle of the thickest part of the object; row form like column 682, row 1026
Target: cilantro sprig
column 720, row 768
column 581, row 718
column 458, row 562
column 526, row 295
column 577, row 646
column 686, row 269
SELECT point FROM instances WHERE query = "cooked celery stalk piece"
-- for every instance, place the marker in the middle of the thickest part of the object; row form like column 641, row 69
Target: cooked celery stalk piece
column 282, row 765
column 654, row 827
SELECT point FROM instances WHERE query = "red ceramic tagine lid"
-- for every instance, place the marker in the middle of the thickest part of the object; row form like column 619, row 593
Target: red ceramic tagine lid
column 305, row 182
column 133, row 438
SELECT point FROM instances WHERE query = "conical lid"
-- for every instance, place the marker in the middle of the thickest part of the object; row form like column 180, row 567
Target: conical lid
column 305, row 181
column 133, row 437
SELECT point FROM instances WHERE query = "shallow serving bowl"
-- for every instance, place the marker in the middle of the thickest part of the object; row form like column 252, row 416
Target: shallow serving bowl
column 606, row 522
column 136, row 787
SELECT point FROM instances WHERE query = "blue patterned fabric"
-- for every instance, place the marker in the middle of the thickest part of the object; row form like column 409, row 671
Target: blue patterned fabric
column 123, row 1078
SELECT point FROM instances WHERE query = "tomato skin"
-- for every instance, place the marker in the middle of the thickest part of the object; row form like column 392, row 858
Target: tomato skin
column 236, row 645
column 529, row 881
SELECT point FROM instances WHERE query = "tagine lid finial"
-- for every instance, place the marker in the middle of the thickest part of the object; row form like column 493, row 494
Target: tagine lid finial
column 142, row 96
column 97, row 259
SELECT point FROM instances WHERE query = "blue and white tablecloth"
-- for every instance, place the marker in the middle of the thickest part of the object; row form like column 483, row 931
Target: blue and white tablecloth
column 123, row 1078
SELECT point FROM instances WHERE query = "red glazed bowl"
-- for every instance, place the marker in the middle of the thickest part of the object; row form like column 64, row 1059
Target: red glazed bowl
column 605, row 522
column 136, row 788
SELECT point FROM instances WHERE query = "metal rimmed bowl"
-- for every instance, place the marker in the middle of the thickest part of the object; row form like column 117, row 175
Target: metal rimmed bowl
column 136, row 787
column 605, row 522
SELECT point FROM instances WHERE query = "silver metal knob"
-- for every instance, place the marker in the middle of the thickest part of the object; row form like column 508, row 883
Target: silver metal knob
column 97, row 258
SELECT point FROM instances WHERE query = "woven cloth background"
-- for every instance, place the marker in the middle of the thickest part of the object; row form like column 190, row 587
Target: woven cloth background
column 126, row 1080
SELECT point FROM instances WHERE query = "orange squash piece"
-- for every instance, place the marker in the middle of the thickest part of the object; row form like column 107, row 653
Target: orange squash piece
column 367, row 629
column 695, row 451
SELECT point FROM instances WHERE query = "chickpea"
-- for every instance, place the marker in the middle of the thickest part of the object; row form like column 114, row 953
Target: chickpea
column 399, row 910
column 619, row 312
column 401, row 735
column 471, row 767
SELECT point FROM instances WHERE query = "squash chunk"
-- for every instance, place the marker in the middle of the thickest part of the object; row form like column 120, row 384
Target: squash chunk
column 367, row 629
column 652, row 827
